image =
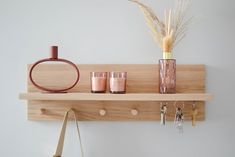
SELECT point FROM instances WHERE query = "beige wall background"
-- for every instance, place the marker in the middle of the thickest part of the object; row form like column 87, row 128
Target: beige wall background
column 114, row 31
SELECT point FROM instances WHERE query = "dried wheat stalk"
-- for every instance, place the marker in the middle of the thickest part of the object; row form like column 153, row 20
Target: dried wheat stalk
column 172, row 30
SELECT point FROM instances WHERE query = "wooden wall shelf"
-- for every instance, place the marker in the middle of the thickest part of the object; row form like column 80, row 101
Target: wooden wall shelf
column 117, row 97
column 141, row 102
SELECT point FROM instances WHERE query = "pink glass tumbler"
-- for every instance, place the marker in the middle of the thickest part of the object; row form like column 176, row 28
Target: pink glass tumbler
column 98, row 82
column 117, row 82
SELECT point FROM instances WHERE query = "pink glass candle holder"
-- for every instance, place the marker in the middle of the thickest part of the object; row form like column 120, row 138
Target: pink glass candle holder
column 117, row 82
column 98, row 82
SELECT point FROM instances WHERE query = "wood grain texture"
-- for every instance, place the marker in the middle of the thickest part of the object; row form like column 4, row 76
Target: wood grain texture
column 117, row 97
column 115, row 110
column 141, row 78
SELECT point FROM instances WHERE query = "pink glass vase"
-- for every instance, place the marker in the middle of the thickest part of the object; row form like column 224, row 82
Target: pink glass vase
column 167, row 76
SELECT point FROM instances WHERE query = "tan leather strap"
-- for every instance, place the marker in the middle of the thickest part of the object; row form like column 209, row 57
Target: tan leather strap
column 60, row 144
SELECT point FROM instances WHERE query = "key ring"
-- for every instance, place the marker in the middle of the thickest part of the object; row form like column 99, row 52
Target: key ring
column 163, row 107
column 54, row 58
column 175, row 105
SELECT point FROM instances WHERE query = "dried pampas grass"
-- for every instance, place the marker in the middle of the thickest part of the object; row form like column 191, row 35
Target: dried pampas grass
column 169, row 32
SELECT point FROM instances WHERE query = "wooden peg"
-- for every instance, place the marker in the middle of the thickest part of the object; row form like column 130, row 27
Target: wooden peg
column 43, row 110
column 134, row 112
column 102, row 112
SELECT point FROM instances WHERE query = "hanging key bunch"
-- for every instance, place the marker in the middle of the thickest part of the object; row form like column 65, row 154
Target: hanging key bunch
column 163, row 112
column 179, row 118
column 194, row 114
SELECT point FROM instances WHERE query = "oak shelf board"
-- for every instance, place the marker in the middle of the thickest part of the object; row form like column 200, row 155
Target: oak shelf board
column 116, row 97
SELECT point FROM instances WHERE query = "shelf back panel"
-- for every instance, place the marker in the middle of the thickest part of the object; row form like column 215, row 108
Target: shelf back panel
column 141, row 78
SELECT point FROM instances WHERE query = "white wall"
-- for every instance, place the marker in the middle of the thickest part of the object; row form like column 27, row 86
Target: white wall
column 114, row 31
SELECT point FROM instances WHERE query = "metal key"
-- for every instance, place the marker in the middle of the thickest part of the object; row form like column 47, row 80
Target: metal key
column 194, row 114
column 163, row 114
column 179, row 119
